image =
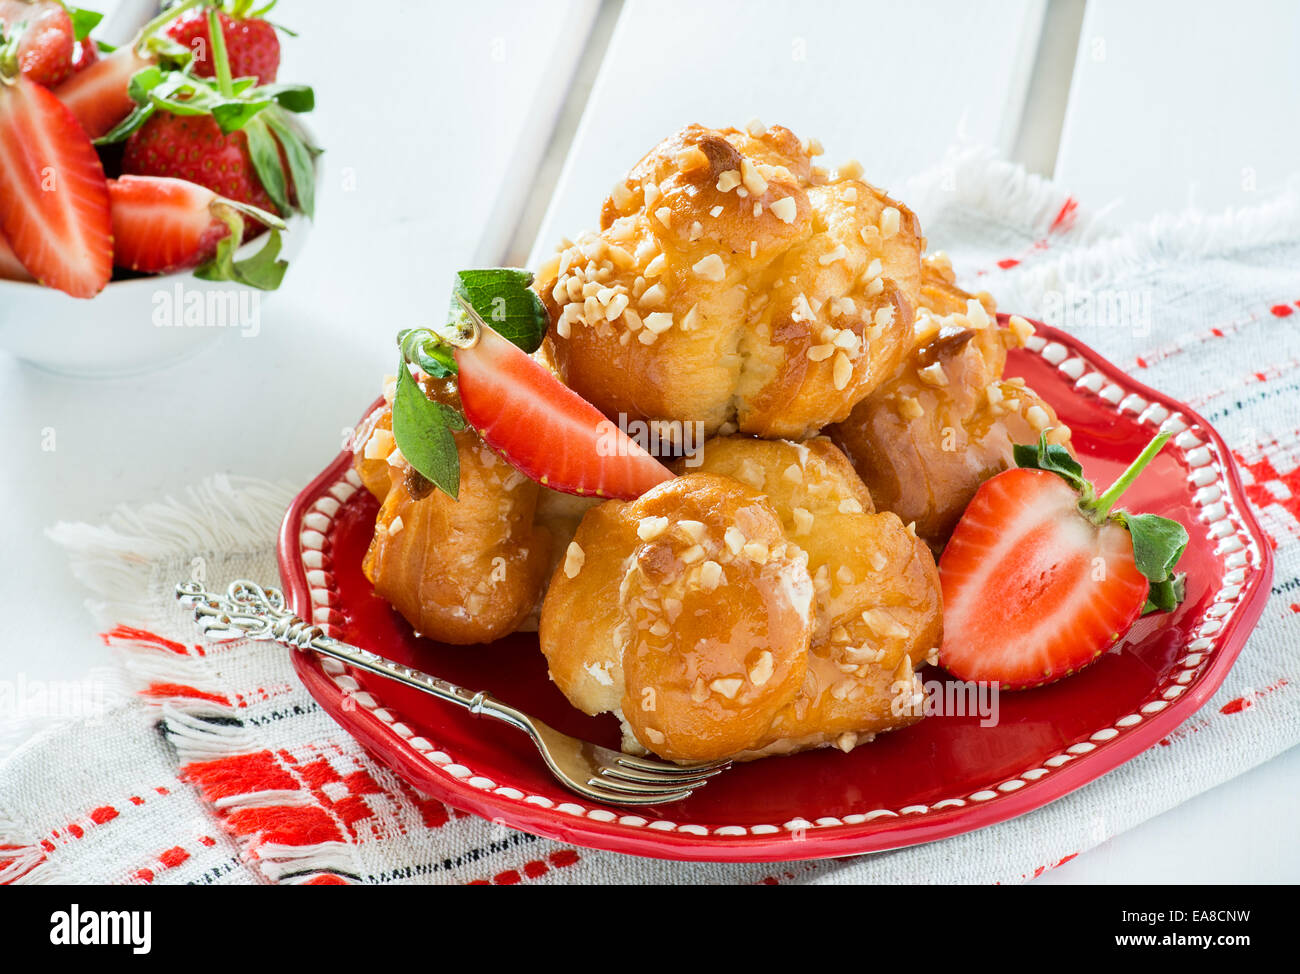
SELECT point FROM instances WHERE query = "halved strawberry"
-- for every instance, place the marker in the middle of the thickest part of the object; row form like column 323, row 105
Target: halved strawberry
column 162, row 224
column 45, row 38
column 53, row 195
column 11, row 268
column 545, row 429
column 1040, row 576
column 98, row 96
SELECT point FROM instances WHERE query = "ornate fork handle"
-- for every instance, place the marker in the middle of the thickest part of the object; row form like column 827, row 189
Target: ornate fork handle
column 249, row 611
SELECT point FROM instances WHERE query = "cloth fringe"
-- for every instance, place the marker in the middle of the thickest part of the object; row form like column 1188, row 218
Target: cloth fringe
column 118, row 562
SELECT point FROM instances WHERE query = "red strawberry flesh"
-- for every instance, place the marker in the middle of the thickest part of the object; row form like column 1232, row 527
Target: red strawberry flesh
column 545, row 429
column 54, row 206
column 1032, row 589
column 97, row 95
column 160, row 224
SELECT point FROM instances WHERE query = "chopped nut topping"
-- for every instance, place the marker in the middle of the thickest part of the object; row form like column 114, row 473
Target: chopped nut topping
column 889, row 221
column 574, row 558
column 658, row 321
column 711, row 268
column 756, row 551
column 693, row 554
column 734, row 539
column 727, row 686
column 843, row 370
column 793, row 473
column 691, row 158
column 850, row 505
column 839, row 253
column 785, row 209
column 933, row 374
column 649, row 528
column 1037, row 417
column 762, row 669
column 803, row 520
column 710, row 575
column 728, row 181
column 395, row 527
column 695, row 530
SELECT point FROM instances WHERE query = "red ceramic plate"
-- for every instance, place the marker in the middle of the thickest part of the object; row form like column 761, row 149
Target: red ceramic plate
column 941, row 777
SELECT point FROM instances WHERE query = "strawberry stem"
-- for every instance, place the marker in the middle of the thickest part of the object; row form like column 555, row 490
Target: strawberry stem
column 225, row 84
column 1100, row 509
column 164, row 18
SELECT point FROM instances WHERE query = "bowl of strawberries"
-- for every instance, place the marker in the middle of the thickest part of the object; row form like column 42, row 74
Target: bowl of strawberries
column 151, row 194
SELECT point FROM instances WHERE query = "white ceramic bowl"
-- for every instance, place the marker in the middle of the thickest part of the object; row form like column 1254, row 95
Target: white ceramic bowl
column 134, row 325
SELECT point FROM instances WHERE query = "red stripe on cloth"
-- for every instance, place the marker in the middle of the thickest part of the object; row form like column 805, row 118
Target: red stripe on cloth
column 131, row 634
column 327, row 879
column 1008, row 262
column 1065, row 216
column 240, row 774
column 180, row 690
column 291, row 825
column 1281, row 310
column 532, row 869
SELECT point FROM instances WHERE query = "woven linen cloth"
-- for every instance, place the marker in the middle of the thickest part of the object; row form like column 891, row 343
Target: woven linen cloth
column 214, row 765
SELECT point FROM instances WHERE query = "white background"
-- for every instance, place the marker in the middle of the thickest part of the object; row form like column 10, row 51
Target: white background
column 449, row 129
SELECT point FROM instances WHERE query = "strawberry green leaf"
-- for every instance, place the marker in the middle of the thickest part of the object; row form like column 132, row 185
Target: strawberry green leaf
column 1158, row 543
column 502, row 297
column 293, row 98
column 1165, row 596
column 423, row 431
column 422, row 347
column 299, row 156
column 265, row 153
column 1053, row 458
column 264, row 270
column 83, row 22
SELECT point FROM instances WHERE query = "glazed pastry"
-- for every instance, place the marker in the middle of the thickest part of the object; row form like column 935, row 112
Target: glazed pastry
column 947, row 420
column 756, row 606
column 459, row 571
column 734, row 283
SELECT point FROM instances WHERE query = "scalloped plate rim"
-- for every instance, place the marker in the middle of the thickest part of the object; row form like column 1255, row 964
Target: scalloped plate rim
column 781, row 844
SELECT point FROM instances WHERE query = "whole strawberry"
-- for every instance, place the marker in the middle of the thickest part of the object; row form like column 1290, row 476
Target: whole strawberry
column 251, row 44
column 193, row 147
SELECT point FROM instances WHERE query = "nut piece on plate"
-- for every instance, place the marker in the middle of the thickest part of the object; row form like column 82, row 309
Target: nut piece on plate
column 466, row 571
column 946, row 421
column 736, row 284
column 756, row 606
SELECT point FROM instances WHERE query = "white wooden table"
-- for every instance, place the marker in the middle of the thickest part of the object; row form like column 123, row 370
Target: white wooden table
column 444, row 154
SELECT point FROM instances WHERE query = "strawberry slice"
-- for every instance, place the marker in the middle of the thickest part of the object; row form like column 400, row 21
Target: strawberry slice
column 162, row 224
column 1041, row 575
column 53, row 195
column 97, row 95
column 11, row 268
column 545, row 429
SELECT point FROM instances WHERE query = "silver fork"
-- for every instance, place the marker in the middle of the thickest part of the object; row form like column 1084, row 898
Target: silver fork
column 249, row 611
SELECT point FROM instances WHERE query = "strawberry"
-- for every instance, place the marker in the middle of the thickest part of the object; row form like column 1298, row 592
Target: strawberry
column 11, row 268
column 236, row 138
column 45, row 38
column 53, row 196
column 1042, row 575
column 545, row 429
column 162, row 225
column 194, row 148
column 541, row 426
column 84, row 55
column 98, row 94
column 251, row 44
